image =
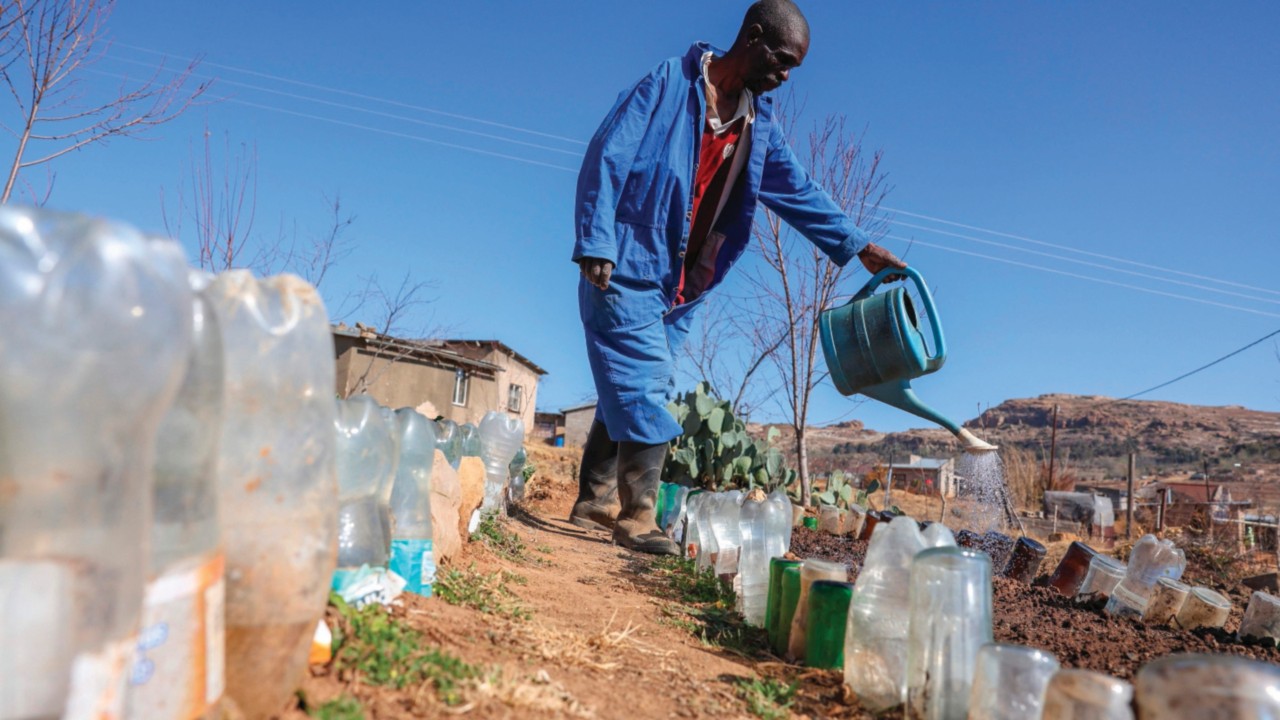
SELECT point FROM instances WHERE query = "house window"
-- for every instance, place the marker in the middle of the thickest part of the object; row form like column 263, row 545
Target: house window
column 461, row 384
column 515, row 398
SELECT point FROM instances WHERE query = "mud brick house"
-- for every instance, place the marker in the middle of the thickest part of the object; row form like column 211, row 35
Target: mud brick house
column 926, row 476
column 459, row 379
column 577, row 423
column 1189, row 502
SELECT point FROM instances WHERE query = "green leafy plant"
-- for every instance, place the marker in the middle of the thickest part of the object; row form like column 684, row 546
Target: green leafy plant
column 485, row 592
column 767, row 698
column 343, row 708
column 839, row 491
column 493, row 533
column 382, row 650
column 716, row 452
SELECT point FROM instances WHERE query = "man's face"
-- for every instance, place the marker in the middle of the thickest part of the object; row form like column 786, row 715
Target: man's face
column 771, row 60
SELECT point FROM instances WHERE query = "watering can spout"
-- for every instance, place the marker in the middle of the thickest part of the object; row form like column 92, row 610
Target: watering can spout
column 900, row 394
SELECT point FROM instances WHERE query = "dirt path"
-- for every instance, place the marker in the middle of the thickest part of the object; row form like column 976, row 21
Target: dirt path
column 585, row 629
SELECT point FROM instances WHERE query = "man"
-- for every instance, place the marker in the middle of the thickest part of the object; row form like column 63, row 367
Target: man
column 664, row 208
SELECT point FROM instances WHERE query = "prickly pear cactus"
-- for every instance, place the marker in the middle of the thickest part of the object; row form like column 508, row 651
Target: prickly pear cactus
column 715, row 451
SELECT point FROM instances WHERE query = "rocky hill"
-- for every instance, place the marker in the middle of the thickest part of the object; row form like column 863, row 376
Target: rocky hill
column 1095, row 434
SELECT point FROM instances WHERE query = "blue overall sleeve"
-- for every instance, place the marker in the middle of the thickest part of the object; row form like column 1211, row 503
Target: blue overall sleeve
column 606, row 165
column 787, row 189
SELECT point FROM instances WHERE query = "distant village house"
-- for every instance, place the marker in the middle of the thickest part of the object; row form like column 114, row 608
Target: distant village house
column 458, row 379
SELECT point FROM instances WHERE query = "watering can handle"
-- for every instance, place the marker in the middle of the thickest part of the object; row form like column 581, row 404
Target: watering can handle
column 939, row 342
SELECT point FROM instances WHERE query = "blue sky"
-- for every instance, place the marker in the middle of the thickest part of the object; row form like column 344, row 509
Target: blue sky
column 1142, row 131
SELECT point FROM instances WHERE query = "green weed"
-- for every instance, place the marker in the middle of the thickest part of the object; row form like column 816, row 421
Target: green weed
column 487, row 593
column 767, row 698
column 704, row 606
column 343, row 708
column 504, row 543
column 384, row 651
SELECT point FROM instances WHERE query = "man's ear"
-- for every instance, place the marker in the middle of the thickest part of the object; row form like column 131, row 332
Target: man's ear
column 754, row 33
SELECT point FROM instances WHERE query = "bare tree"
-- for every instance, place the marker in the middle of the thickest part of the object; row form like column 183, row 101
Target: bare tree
column 733, row 368
column 45, row 48
column 796, row 282
column 221, row 203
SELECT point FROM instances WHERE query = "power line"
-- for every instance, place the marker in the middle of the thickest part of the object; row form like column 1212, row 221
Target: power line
column 1086, row 263
column 358, row 108
column 362, row 96
column 1204, row 367
column 1090, row 278
column 357, row 126
column 1110, row 258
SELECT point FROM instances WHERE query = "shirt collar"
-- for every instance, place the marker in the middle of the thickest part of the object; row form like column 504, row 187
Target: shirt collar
column 746, row 105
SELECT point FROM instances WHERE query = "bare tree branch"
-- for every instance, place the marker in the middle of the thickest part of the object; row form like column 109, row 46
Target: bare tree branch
column 799, row 280
column 44, row 47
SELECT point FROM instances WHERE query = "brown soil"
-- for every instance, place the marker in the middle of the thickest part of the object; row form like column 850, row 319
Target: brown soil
column 598, row 644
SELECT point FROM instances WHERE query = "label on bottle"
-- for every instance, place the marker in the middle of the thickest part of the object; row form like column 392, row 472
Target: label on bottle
column 180, row 656
column 98, row 683
column 414, row 560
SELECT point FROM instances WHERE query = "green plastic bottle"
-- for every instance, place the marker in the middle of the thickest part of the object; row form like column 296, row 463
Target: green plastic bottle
column 828, row 615
column 788, row 597
column 773, row 606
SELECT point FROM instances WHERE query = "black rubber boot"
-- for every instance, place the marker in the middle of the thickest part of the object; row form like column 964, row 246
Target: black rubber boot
column 597, row 504
column 639, row 471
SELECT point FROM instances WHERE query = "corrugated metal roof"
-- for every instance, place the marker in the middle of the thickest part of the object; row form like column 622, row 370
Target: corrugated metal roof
column 922, row 464
column 580, row 406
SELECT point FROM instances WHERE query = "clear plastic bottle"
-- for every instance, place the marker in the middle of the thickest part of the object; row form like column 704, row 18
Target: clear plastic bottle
column 388, row 480
column 753, row 567
column 469, row 440
column 449, row 441
column 781, row 523
column 515, row 471
column 278, row 487
column 709, row 549
column 1150, row 560
column 728, row 530
column 178, row 670
column 365, row 458
column 875, row 655
column 412, row 554
column 97, row 332
column 673, row 525
column 499, row 438
column 692, row 540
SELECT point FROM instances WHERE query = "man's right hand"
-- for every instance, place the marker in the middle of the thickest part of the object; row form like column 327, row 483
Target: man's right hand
column 597, row 271
column 875, row 258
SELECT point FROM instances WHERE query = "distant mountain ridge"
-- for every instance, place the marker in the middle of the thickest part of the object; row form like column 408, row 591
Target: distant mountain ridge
column 1094, row 432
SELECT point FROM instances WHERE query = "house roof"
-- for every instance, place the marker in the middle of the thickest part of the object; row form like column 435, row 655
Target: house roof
column 1193, row 491
column 402, row 347
column 579, row 406
column 921, row 464
column 498, row 345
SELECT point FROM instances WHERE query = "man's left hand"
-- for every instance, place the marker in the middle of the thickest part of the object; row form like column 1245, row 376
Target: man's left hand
column 875, row 258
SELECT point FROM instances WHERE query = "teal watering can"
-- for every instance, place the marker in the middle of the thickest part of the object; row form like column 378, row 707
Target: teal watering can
column 873, row 345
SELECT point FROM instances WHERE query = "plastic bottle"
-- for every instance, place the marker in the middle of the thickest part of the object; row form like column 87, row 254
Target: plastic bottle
column 365, row 455
column 469, row 439
column 692, row 541
column 96, row 332
column 499, row 439
column 728, row 530
column 709, row 548
column 412, row 554
column 777, row 525
column 178, row 670
column 1150, row 560
column 675, row 522
column 875, row 655
column 515, row 471
column 449, row 441
column 1189, row 686
column 1075, row 694
column 278, row 489
column 1009, row 682
column 810, row 572
column 389, row 479
column 753, row 566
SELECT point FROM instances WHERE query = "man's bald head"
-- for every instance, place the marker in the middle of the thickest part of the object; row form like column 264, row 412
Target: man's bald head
column 778, row 19
column 773, row 40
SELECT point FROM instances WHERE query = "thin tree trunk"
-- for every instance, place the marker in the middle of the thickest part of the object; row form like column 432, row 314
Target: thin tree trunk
column 802, row 460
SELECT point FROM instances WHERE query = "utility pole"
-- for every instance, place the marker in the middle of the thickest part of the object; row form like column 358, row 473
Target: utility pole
column 1128, row 503
column 1053, row 446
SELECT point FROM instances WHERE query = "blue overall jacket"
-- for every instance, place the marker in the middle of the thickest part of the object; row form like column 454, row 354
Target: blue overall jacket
column 634, row 208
